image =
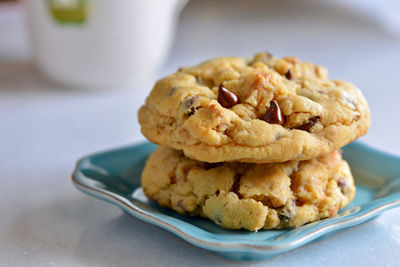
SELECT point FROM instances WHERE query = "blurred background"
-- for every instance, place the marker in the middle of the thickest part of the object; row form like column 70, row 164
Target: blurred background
column 73, row 74
column 71, row 60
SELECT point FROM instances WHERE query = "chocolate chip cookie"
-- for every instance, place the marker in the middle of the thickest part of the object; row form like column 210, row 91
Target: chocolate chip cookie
column 249, row 196
column 256, row 110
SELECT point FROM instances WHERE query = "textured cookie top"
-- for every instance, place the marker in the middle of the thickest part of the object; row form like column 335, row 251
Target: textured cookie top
column 249, row 196
column 259, row 110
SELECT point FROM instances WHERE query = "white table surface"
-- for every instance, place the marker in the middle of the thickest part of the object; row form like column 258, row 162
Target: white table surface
column 44, row 129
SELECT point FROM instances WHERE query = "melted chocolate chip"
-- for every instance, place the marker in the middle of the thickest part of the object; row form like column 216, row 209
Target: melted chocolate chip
column 218, row 218
column 286, row 215
column 188, row 104
column 191, row 112
column 287, row 212
column 274, row 114
column 284, row 218
column 311, row 122
column 180, row 204
column 341, row 183
column 343, row 186
column 172, row 91
column 289, row 74
column 212, row 165
column 190, row 101
column 226, row 98
column 236, row 187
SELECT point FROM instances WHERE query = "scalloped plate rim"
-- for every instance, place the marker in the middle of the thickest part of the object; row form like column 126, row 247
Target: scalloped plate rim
column 229, row 246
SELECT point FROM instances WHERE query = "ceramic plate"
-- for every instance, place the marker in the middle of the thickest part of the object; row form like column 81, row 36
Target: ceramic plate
column 114, row 176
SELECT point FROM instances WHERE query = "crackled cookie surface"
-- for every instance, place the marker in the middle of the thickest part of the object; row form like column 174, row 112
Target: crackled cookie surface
column 258, row 111
column 249, row 196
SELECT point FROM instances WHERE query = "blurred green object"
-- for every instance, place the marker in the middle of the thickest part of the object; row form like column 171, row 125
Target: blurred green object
column 68, row 11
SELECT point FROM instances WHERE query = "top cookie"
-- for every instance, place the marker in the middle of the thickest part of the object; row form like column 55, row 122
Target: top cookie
column 260, row 110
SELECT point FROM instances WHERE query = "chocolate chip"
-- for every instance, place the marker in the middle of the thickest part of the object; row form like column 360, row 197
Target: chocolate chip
column 189, row 101
column 288, row 74
column 172, row 91
column 287, row 212
column 236, row 187
column 212, row 165
column 311, row 122
column 188, row 104
column 343, row 186
column 226, row 98
column 218, row 218
column 191, row 112
column 341, row 183
column 274, row 114
column 286, row 215
column 180, row 204
column 357, row 117
column 284, row 218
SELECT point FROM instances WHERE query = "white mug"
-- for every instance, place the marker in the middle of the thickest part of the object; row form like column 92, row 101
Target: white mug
column 101, row 43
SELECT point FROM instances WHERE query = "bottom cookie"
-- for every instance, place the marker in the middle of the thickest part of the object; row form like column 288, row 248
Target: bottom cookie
column 249, row 196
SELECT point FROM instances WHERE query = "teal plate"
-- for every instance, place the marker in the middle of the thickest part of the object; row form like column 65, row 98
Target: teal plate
column 114, row 176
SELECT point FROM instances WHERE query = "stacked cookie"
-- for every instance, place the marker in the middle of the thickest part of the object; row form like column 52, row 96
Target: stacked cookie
column 252, row 143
